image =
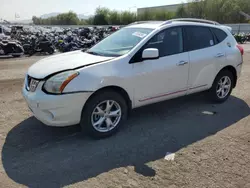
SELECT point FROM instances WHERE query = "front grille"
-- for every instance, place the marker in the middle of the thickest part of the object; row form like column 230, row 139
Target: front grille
column 31, row 84
column 28, row 80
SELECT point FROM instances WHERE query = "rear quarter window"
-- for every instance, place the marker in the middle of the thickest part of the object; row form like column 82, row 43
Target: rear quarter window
column 220, row 35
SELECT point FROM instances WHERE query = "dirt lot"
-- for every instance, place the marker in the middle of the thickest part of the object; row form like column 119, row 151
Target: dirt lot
column 210, row 150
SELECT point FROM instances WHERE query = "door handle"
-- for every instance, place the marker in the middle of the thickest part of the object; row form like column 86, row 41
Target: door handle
column 220, row 55
column 181, row 63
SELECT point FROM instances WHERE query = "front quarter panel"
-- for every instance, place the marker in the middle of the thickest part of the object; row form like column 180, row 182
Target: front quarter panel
column 115, row 72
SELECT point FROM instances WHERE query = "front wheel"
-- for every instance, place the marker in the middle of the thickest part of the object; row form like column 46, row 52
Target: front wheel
column 222, row 86
column 103, row 114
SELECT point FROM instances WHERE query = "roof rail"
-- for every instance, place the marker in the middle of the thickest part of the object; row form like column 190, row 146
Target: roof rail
column 192, row 20
column 142, row 22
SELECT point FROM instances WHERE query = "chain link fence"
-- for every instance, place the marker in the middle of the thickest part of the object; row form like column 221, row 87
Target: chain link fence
column 239, row 28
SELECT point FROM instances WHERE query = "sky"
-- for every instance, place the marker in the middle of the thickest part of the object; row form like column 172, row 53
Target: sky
column 28, row 8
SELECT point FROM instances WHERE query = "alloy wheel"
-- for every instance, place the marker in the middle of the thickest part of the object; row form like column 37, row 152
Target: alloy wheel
column 223, row 87
column 106, row 116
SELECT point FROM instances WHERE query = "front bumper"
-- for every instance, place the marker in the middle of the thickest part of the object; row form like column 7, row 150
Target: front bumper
column 56, row 110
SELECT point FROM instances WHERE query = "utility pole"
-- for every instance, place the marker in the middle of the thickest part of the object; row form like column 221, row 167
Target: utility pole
column 245, row 14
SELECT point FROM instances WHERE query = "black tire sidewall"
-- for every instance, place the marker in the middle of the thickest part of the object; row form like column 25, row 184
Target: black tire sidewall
column 86, row 123
column 213, row 94
column 51, row 51
column 16, row 56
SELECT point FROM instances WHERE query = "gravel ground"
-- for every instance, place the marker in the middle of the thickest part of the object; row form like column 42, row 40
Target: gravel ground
column 210, row 150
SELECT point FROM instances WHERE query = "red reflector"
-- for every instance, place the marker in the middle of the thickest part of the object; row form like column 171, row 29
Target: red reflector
column 241, row 49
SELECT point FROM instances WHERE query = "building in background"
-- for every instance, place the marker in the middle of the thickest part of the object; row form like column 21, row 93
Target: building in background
column 169, row 8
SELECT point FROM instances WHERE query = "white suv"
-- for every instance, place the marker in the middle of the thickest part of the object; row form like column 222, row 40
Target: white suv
column 141, row 64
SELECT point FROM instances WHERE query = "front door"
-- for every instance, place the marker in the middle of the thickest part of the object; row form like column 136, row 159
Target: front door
column 165, row 77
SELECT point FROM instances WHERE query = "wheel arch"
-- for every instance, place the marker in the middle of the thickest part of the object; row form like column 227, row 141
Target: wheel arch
column 232, row 70
column 116, row 89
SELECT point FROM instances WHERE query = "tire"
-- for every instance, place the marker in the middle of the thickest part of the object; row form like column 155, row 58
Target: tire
column 16, row 56
column 31, row 52
column 216, row 96
column 26, row 48
column 100, row 99
column 18, row 49
column 51, row 51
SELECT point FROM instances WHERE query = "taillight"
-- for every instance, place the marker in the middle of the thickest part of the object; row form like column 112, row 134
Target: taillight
column 241, row 49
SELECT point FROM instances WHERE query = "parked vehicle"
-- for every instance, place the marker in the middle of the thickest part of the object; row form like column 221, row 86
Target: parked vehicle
column 4, row 32
column 46, row 40
column 248, row 37
column 241, row 38
column 141, row 64
column 42, row 45
column 12, row 48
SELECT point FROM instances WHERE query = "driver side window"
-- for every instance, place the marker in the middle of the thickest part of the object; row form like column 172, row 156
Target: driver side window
column 168, row 42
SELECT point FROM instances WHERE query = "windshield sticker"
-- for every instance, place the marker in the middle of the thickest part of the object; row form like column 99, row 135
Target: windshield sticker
column 139, row 34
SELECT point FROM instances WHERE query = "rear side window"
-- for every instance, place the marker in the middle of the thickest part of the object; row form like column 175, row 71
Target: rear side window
column 219, row 34
column 199, row 37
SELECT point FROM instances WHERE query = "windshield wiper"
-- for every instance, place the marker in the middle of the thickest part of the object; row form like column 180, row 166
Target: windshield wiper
column 103, row 54
column 93, row 53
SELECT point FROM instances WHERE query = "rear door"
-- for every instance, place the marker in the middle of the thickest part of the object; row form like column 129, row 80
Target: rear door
column 205, row 54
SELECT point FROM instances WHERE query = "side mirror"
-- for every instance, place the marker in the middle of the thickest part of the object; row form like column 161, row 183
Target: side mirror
column 150, row 53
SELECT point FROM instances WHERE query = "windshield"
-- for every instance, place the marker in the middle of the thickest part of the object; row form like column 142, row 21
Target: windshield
column 120, row 42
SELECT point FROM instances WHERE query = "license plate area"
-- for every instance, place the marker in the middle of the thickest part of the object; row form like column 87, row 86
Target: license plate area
column 31, row 84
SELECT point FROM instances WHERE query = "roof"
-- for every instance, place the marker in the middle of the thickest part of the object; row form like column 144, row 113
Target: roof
column 182, row 21
column 146, row 24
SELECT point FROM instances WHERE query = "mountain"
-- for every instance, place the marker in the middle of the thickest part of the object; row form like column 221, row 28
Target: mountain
column 82, row 16
column 44, row 16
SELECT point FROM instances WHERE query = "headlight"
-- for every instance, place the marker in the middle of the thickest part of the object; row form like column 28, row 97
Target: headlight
column 57, row 83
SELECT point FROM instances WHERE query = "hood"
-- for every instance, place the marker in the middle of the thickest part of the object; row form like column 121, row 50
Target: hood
column 65, row 61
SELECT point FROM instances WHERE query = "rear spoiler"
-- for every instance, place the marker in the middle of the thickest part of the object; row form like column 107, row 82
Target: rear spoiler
column 227, row 27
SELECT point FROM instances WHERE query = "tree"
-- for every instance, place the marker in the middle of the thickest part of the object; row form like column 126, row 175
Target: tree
column 101, row 16
column 99, row 19
column 90, row 21
column 69, row 18
column 196, row 9
column 146, row 15
column 36, row 20
column 231, row 11
column 223, row 11
column 181, row 12
column 114, row 17
column 127, row 17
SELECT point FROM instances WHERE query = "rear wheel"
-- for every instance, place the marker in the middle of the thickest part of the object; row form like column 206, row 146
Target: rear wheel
column 103, row 114
column 51, row 50
column 1, row 51
column 222, row 86
column 18, row 51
